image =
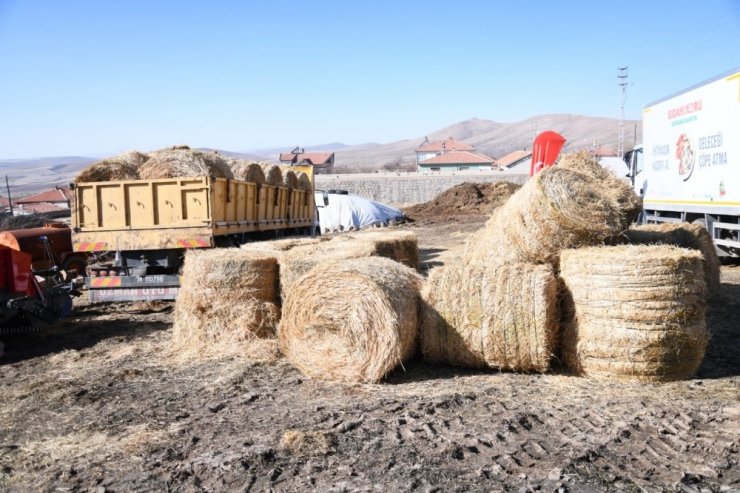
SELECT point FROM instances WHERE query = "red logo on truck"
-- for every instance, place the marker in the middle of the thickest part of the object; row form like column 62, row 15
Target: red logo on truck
column 684, row 109
column 685, row 155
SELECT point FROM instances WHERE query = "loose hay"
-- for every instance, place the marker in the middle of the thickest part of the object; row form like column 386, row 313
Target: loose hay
column 634, row 312
column 273, row 175
column 247, row 171
column 304, row 182
column 478, row 315
column 556, row 209
column 227, row 301
column 683, row 235
column 290, row 179
column 117, row 168
column 351, row 321
column 306, row 443
column 181, row 161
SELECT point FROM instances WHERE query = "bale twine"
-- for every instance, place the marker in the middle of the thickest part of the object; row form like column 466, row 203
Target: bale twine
column 178, row 162
column 401, row 246
column 304, row 182
column 227, row 299
column 634, row 312
column 117, row 168
column 483, row 315
column 351, row 321
column 556, row 209
column 273, row 175
column 290, row 179
column 618, row 190
column 683, row 235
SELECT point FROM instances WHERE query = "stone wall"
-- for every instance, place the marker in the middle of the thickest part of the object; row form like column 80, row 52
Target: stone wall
column 403, row 189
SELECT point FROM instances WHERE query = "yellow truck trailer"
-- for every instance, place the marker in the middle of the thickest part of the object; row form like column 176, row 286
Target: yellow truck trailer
column 148, row 224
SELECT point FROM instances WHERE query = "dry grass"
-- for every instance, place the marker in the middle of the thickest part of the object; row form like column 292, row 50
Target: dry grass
column 401, row 246
column 483, row 315
column 181, row 161
column 227, row 302
column 117, row 168
column 306, row 443
column 634, row 312
column 351, row 321
column 273, row 175
column 557, row 209
column 685, row 235
column 247, row 171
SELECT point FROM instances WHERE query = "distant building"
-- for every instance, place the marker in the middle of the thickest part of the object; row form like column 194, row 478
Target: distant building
column 322, row 162
column 429, row 150
column 56, row 200
column 517, row 161
column 602, row 151
column 456, row 161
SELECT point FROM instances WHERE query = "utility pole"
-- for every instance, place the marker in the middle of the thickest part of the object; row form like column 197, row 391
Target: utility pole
column 10, row 200
column 622, row 83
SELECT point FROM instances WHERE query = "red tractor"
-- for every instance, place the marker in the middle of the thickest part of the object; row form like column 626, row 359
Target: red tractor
column 32, row 298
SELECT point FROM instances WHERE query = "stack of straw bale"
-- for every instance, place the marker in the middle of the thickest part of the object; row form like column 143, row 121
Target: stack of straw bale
column 484, row 315
column 181, row 161
column 117, row 168
column 290, row 179
column 560, row 207
column 401, row 246
column 227, row 296
column 247, row 171
column 635, row 312
column 273, row 175
column 351, row 321
column 304, row 182
column 683, row 235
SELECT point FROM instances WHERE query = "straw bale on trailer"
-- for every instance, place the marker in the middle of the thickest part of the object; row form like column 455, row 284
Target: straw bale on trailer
column 401, row 246
column 634, row 312
column 228, row 298
column 351, row 321
column 117, row 168
column 483, row 315
column 247, row 171
column 290, row 179
column 304, row 182
column 273, row 175
column 556, row 209
column 683, row 235
column 181, row 161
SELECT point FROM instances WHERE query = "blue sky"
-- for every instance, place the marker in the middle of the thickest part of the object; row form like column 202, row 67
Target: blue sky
column 100, row 77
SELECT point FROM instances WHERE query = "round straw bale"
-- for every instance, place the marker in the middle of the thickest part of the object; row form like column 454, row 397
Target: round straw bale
column 683, row 235
column 180, row 162
column 618, row 190
column 351, row 321
column 477, row 315
column 634, row 312
column 117, row 168
column 273, row 175
column 556, row 209
column 304, row 182
column 290, row 179
column 227, row 296
column 399, row 245
column 247, row 171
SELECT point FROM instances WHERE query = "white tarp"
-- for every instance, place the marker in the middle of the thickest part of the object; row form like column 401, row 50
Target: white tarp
column 616, row 165
column 348, row 212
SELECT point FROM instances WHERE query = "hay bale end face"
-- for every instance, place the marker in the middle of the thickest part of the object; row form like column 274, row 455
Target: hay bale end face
column 483, row 315
column 247, row 171
column 117, row 168
column 304, row 182
column 351, row 321
column 636, row 312
column 683, row 235
column 273, row 175
column 227, row 296
column 290, row 179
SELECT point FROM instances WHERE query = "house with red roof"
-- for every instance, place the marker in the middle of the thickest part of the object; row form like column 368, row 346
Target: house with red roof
column 515, row 161
column 322, row 162
column 450, row 155
column 56, row 200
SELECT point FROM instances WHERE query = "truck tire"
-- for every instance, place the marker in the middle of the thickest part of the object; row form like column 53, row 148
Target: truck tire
column 77, row 263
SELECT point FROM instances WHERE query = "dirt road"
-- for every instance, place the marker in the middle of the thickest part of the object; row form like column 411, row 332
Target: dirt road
column 99, row 405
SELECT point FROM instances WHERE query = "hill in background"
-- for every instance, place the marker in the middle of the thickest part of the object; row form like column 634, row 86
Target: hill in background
column 492, row 138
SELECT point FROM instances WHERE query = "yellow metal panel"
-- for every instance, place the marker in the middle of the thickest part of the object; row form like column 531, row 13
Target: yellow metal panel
column 112, row 209
column 251, row 202
column 218, row 191
column 262, row 204
column 86, row 207
column 139, row 205
column 167, row 203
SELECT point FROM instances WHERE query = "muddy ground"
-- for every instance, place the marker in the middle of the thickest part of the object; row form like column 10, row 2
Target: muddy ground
column 99, row 404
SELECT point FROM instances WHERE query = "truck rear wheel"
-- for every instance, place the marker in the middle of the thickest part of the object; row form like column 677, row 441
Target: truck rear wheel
column 77, row 263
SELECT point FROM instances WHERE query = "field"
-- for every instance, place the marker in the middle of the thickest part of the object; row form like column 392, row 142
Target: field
column 99, row 404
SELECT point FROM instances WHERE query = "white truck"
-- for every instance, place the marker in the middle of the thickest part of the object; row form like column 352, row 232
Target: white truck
column 688, row 168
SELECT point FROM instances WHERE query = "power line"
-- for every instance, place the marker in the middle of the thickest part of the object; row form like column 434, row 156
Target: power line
column 622, row 77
